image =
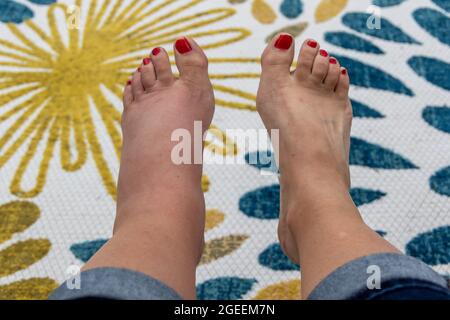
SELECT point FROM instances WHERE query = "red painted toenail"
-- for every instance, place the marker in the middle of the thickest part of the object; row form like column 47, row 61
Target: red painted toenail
column 284, row 42
column 156, row 51
column 183, row 46
column 323, row 53
column 344, row 71
column 333, row 61
column 146, row 61
column 312, row 43
column 128, row 82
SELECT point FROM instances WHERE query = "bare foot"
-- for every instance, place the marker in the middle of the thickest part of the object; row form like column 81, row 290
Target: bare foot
column 312, row 110
column 155, row 105
column 160, row 216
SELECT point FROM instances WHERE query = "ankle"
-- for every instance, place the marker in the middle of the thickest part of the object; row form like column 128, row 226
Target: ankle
column 313, row 180
column 308, row 198
column 178, row 200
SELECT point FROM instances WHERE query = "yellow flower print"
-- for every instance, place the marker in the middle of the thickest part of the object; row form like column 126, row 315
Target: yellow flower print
column 61, row 86
column 15, row 217
column 218, row 248
column 289, row 290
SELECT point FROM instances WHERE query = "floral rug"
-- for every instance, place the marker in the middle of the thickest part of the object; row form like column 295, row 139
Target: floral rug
column 62, row 69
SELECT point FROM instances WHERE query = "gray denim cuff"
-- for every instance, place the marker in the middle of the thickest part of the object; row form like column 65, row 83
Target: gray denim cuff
column 349, row 280
column 116, row 284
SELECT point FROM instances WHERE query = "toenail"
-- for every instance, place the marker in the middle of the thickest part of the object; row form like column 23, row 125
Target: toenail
column 146, row 61
column 344, row 71
column 183, row 46
column 323, row 53
column 284, row 42
column 333, row 61
column 312, row 43
column 139, row 69
column 128, row 82
column 156, row 51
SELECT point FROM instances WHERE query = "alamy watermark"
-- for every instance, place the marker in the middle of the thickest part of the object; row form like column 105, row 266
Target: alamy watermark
column 73, row 277
column 374, row 280
column 189, row 147
column 73, row 17
column 374, row 21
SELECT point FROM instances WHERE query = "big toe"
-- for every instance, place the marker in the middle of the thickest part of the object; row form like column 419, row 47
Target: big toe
column 191, row 61
column 277, row 58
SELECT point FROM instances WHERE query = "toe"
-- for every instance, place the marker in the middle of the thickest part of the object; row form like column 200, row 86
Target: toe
column 148, row 74
column 306, row 58
column 136, row 84
column 343, row 85
column 191, row 61
column 320, row 67
column 334, row 72
column 127, row 94
column 278, row 56
column 163, row 69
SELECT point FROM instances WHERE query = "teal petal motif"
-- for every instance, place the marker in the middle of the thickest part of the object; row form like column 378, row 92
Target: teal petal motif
column 358, row 22
column 444, row 4
column 435, row 23
column 226, row 288
column 440, row 182
column 274, row 258
column 291, row 8
column 14, row 12
column 262, row 203
column 367, row 76
column 438, row 117
column 349, row 41
column 387, row 3
column 11, row 11
column 433, row 70
column 431, row 247
column 361, row 110
column 363, row 153
column 85, row 250
column 365, row 196
column 47, row 2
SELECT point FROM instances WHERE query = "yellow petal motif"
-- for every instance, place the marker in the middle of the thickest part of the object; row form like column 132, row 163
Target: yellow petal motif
column 295, row 30
column 221, row 247
column 21, row 255
column 16, row 217
column 213, row 218
column 205, row 183
column 30, row 289
column 328, row 9
column 263, row 12
column 289, row 290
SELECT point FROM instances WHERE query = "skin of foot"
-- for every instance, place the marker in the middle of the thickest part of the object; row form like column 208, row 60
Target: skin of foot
column 160, row 206
column 310, row 107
